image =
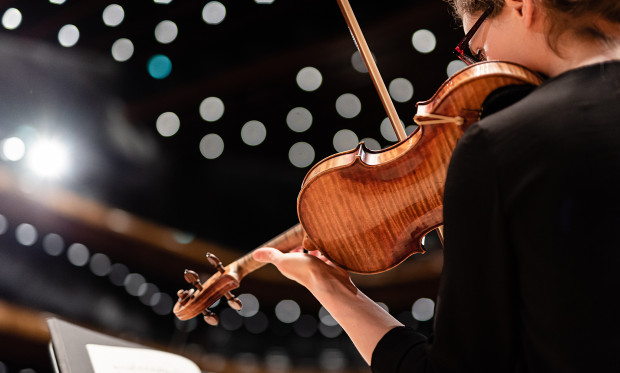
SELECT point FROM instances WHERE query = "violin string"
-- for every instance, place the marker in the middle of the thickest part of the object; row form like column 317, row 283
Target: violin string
column 437, row 119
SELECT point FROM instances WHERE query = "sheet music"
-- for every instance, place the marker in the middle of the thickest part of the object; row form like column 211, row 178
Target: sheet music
column 113, row 359
column 53, row 357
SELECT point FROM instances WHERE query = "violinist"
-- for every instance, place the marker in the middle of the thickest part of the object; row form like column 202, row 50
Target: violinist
column 531, row 275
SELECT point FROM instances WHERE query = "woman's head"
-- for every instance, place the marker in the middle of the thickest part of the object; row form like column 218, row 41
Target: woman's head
column 549, row 36
column 584, row 18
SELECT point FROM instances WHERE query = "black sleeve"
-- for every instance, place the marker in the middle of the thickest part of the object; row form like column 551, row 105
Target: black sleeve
column 400, row 350
column 474, row 316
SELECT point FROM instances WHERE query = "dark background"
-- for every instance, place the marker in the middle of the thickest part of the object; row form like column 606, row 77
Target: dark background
column 106, row 112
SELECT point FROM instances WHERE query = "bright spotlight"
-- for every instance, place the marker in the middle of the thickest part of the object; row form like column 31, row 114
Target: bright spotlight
column 48, row 158
column 13, row 149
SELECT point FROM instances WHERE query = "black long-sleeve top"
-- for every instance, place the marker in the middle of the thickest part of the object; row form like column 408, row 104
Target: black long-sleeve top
column 531, row 278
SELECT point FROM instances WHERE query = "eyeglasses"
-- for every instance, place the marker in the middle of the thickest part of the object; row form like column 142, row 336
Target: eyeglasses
column 462, row 50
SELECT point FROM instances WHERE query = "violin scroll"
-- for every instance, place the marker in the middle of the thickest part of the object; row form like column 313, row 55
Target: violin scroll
column 197, row 300
column 202, row 296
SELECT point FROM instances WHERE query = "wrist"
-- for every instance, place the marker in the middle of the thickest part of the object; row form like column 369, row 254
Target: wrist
column 327, row 280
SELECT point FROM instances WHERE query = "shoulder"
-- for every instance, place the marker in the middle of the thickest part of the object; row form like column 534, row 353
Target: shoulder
column 558, row 116
column 560, row 121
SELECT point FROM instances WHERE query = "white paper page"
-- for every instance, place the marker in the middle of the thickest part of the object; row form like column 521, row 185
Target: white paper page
column 113, row 359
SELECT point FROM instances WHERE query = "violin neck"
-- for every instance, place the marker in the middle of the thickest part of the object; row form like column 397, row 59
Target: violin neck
column 285, row 242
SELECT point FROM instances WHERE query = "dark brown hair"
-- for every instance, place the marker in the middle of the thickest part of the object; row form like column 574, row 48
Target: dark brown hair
column 582, row 17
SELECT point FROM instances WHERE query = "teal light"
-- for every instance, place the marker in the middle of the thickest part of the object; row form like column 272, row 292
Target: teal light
column 159, row 66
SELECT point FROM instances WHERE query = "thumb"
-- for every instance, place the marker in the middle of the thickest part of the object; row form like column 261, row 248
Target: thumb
column 266, row 255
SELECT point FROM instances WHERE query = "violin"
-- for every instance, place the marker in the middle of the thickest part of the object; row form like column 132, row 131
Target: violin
column 367, row 211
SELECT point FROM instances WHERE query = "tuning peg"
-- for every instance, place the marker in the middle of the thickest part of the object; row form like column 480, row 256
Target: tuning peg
column 215, row 262
column 192, row 278
column 233, row 301
column 210, row 317
column 184, row 295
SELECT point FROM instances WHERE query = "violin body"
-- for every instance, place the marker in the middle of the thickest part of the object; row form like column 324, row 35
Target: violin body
column 367, row 211
column 364, row 210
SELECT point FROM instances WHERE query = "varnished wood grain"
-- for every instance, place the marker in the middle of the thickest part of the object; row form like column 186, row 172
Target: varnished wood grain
column 368, row 211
